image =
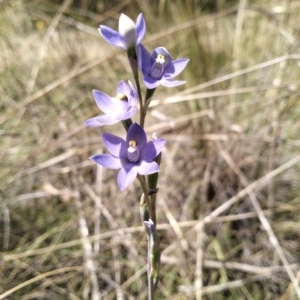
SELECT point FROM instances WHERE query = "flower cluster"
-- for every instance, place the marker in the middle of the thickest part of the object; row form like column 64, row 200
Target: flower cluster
column 134, row 155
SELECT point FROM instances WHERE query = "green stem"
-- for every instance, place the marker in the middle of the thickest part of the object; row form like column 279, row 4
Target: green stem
column 142, row 114
column 147, row 198
column 134, row 68
column 150, row 278
column 127, row 123
column 152, row 183
column 148, row 98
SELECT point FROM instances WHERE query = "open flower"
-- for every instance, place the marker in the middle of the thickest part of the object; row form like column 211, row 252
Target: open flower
column 121, row 107
column 158, row 68
column 133, row 156
column 129, row 34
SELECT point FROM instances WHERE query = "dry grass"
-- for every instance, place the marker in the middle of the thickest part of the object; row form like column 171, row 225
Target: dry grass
column 228, row 206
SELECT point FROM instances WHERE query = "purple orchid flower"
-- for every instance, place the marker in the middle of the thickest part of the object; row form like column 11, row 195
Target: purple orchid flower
column 121, row 107
column 129, row 34
column 158, row 68
column 133, row 156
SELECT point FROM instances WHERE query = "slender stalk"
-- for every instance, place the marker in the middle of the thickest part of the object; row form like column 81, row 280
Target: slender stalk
column 150, row 278
column 149, row 237
column 147, row 198
column 134, row 68
column 145, row 217
column 148, row 98
column 126, row 124
column 152, row 184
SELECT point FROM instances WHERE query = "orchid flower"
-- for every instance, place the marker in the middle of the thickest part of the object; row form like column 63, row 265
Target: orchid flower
column 129, row 35
column 118, row 108
column 133, row 156
column 158, row 68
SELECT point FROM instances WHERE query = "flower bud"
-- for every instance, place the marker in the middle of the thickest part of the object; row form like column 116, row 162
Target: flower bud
column 127, row 31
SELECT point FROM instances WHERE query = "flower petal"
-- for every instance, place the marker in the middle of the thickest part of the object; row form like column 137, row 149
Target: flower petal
column 140, row 27
column 171, row 83
column 151, row 83
column 104, row 102
column 127, row 31
column 152, row 149
column 123, row 88
column 115, row 145
column 107, row 161
column 126, row 176
column 130, row 113
column 175, row 68
column 134, row 97
column 100, row 121
column 111, row 36
column 146, row 168
column 136, row 133
column 144, row 59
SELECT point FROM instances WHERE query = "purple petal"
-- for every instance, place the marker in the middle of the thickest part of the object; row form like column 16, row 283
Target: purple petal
column 146, row 168
column 111, row 106
column 171, row 83
column 144, row 59
column 100, row 121
column 115, row 145
column 104, row 102
column 152, row 149
column 175, row 68
column 126, row 176
column 140, row 27
column 151, row 83
column 130, row 113
column 134, row 97
column 107, row 161
column 137, row 133
column 129, row 90
column 111, row 36
column 123, row 88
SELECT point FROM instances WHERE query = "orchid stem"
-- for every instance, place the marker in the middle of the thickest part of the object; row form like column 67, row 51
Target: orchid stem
column 134, row 68
column 153, row 218
column 148, row 98
column 126, row 124
column 150, row 278
column 147, row 198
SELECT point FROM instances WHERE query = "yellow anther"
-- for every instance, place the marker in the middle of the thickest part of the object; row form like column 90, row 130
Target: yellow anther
column 132, row 143
column 121, row 96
